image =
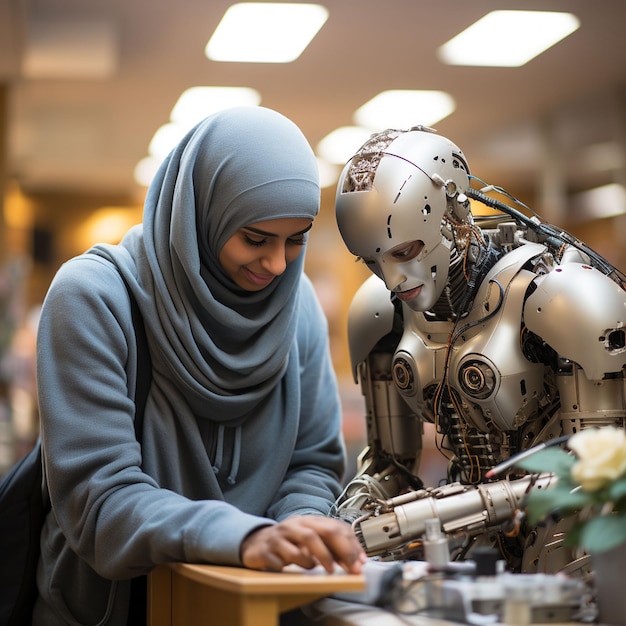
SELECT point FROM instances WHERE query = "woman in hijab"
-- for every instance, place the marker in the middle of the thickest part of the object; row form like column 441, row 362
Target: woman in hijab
column 240, row 455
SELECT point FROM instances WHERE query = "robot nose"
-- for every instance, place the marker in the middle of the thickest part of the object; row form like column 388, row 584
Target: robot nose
column 393, row 279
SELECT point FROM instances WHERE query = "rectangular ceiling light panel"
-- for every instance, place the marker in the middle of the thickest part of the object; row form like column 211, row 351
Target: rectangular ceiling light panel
column 196, row 103
column 508, row 38
column 265, row 32
column 404, row 108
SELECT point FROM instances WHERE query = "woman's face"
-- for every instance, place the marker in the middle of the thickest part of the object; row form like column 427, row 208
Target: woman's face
column 259, row 252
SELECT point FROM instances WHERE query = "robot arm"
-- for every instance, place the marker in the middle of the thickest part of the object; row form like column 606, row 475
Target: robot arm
column 390, row 462
column 466, row 509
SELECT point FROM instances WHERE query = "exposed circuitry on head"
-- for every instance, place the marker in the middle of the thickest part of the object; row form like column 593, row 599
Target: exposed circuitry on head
column 364, row 163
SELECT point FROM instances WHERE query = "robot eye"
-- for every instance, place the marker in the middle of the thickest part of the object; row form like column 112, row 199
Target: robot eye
column 408, row 251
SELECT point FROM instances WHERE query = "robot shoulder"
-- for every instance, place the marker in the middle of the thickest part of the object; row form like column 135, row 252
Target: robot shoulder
column 581, row 313
column 370, row 318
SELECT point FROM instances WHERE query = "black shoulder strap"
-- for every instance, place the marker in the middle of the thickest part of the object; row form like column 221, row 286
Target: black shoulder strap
column 144, row 365
column 137, row 611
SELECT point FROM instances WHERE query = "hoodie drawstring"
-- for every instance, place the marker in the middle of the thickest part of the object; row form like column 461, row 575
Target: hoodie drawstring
column 219, row 453
column 234, row 469
column 219, row 449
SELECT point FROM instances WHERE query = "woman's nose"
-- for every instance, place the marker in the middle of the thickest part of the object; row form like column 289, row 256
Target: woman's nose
column 275, row 261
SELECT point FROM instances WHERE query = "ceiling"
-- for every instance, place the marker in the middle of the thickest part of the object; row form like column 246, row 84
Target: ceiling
column 515, row 125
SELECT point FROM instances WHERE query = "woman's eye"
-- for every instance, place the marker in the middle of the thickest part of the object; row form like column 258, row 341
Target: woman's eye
column 297, row 241
column 253, row 242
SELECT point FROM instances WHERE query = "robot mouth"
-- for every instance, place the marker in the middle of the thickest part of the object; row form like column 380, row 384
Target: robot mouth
column 410, row 294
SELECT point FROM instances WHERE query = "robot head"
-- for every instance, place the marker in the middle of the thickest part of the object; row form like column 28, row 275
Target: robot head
column 398, row 201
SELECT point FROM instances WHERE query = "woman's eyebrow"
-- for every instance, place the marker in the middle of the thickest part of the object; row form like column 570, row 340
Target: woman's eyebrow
column 258, row 231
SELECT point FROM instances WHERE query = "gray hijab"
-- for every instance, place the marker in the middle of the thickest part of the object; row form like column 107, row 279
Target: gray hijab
column 225, row 349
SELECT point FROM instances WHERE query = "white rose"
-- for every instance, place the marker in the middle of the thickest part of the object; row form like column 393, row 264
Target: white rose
column 601, row 456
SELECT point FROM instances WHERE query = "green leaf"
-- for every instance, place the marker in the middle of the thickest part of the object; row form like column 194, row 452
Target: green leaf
column 541, row 503
column 572, row 537
column 617, row 490
column 552, row 460
column 603, row 533
column 572, row 500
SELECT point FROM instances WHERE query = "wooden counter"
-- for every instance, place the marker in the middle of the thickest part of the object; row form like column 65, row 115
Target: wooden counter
column 207, row 595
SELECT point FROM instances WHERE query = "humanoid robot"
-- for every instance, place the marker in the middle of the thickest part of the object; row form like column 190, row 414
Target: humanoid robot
column 503, row 332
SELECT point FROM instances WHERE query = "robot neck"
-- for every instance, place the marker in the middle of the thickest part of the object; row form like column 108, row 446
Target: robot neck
column 458, row 293
column 447, row 306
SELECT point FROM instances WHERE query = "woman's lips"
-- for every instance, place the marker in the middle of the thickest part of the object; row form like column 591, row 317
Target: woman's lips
column 405, row 296
column 259, row 279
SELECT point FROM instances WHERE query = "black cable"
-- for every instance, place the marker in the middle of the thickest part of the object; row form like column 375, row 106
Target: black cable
column 553, row 235
column 498, row 469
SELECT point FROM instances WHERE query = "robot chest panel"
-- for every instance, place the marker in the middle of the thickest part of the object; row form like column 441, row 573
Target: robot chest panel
column 478, row 365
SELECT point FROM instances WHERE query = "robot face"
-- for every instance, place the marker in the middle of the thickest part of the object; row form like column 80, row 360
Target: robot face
column 390, row 209
column 417, row 278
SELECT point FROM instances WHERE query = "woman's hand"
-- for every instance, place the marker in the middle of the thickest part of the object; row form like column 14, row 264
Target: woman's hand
column 307, row 541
